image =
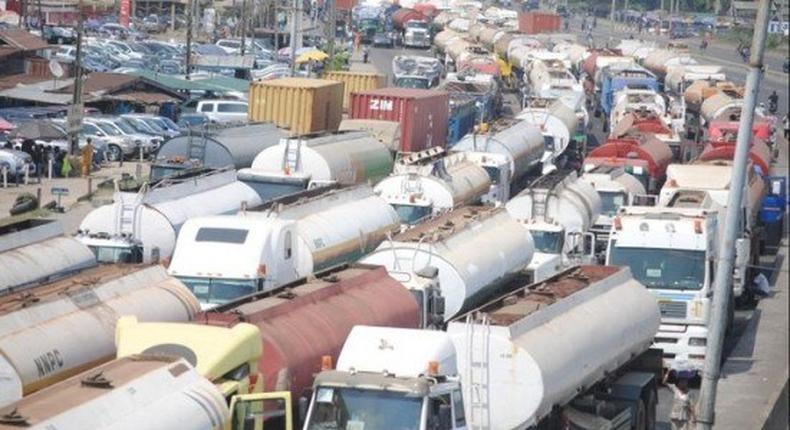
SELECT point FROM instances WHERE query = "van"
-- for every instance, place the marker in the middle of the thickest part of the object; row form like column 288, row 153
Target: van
column 223, row 111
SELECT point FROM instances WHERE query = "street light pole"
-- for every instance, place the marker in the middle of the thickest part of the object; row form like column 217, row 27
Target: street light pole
column 294, row 30
column 727, row 253
column 76, row 101
column 611, row 13
column 243, row 27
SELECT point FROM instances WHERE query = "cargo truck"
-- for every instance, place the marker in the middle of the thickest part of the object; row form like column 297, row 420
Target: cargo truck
column 618, row 77
column 273, row 342
column 141, row 227
column 475, row 251
column 428, row 183
column 141, row 392
column 616, row 188
column 417, row 34
column 53, row 331
column 225, row 257
column 558, row 210
column 506, row 368
column 36, row 250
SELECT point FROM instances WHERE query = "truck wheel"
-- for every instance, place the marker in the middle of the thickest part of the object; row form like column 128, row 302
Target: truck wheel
column 650, row 402
column 640, row 423
column 114, row 153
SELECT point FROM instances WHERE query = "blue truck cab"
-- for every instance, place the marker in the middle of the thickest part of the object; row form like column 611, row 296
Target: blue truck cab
column 620, row 76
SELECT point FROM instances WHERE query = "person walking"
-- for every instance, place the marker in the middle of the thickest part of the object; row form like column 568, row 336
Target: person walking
column 773, row 102
column 682, row 415
column 786, row 124
column 87, row 158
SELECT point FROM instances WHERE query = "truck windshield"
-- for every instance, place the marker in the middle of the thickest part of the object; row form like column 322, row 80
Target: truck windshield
column 351, row 408
column 611, row 202
column 419, row 83
column 671, row 269
column 547, row 242
column 117, row 254
column 219, row 291
column 410, row 214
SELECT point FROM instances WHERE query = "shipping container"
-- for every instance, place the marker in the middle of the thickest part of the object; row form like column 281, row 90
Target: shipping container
column 355, row 82
column 535, row 22
column 299, row 105
column 422, row 114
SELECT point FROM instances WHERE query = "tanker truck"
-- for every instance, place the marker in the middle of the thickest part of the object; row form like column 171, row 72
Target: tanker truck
column 225, row 257
column 36, row 250
column 645, row 158
column 413, row 71
column 558, row 124
column 475, row 251
column 616, row 188
column 296, row 164
column 694, row 184
column 273, row 342
column 141, row 392
column 428, row 183
column 506, row 368
column 558, row 210
column 142, row 227
column 53, row 331
column 508, row 152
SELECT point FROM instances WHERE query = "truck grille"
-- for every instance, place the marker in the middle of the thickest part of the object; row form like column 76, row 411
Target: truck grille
column 672, row 309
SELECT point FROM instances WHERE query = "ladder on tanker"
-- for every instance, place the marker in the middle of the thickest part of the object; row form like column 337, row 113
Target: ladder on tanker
column 127, row 212
column 478, row 334
column 291, row 155
column 196, row 148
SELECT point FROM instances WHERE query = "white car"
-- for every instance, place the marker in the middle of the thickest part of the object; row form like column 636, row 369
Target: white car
column 15, row 161
column 223, row 111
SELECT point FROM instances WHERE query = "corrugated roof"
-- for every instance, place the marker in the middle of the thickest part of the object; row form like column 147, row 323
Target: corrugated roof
column 143, row 97
column 23, row 78
column 216, row 83
column 298, row 83
column 22, row 39
column 99, row 82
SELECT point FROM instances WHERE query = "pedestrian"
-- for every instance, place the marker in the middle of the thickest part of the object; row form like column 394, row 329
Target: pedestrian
column 87, row 158
column 365, row 54
column 773, row 103
column 38, row 160
column 595, row 21
column 27, row 146
column 682, row 415
column 65, row 165
column 786, row 123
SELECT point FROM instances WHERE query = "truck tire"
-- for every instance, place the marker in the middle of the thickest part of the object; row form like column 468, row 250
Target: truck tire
column 651, row 402
column 640, row 423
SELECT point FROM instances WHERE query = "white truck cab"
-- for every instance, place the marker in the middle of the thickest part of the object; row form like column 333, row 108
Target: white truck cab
column 671, row 251
column 389, row 378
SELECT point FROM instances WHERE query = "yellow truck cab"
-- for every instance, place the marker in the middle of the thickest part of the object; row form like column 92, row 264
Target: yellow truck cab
column 228, row 357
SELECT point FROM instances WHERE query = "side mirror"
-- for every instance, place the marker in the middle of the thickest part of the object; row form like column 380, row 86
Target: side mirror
column 445, row 417
column 303, row 404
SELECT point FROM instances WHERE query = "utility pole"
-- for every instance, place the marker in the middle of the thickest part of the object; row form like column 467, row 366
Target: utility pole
column 614, row 7
column 332, row 27
column 243, row 27
column 723, row 285
column 75, row 116
column 188, row 59
column 294, row 31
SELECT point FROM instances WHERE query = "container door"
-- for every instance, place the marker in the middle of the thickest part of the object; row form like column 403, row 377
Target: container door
column 262, row 411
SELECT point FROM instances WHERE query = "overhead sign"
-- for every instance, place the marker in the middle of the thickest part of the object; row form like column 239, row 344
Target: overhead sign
column 779, row 27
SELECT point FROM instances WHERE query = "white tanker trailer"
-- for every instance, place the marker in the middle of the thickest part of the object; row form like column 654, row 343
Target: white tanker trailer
column 519, row 145
column 296, row 164
column 54, row 331
column 142, row 227
column 558, row 124
column 429, row 188
column 558, row 210
column 36, row 250
column 548, row 356
column 222, row 258
column 136, row 392
column 720, row 106
column 475, row 250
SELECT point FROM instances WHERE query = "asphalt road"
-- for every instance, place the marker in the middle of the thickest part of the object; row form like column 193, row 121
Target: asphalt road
column 774, row 79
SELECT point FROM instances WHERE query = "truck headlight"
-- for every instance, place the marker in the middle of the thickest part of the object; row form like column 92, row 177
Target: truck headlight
column 696, row 309
column 698, row 341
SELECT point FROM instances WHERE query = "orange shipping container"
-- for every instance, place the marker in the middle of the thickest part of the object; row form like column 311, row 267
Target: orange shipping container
column 356, row 82
column 299, row 105
column 535, row 22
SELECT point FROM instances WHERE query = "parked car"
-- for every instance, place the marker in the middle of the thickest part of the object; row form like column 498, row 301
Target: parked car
column 145, row 123
column 153, row 24
column 59, row 35
column 223, row 111
column 192, row 120
column 16, row 161
column 682, row 33
column 112, row 126
column 117, row 144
